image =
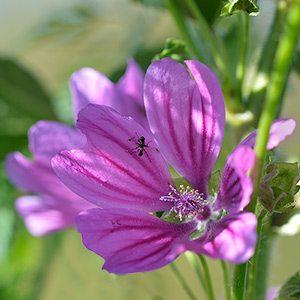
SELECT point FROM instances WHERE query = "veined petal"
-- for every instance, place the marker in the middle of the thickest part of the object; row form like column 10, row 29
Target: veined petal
column 112, row 170
column 45, row 215
column 280, row 129
column 88, row 86
column 132, row 82
column 130, row 241
column 39, row 178
column 30, row 176
column 47, row 138
column 236, row 186
column 233, row 239
column 186, row 117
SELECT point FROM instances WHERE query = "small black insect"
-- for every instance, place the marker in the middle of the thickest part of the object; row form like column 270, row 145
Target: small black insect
column 141, row 145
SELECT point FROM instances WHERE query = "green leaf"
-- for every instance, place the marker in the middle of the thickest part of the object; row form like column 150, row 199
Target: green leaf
column 278, row 187
column 22, row 91
column 291, row 289
column 235, row 6
column 291, row 227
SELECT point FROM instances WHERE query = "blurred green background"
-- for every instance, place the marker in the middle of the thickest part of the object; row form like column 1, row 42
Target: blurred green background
column 41, row 44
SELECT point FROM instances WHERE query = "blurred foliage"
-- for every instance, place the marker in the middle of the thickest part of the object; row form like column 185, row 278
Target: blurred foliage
column 210, row 9
column 23, row 101
column 22, row 91
column 22, row 257
column 291, row 289
column 68, row 23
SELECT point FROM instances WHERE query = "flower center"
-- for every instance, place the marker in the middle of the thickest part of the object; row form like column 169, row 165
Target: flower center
column 188, row 203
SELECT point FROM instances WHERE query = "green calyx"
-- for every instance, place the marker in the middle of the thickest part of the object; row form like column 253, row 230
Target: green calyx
column 233, row 7
column 278, row 187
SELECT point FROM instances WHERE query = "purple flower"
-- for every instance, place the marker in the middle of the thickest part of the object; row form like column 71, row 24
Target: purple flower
column 126, row 96
column 272, row 292
column 56, row 206
column 123, row 169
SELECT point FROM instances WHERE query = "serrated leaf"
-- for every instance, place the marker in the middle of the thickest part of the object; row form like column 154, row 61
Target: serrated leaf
column 278, row 187
column 22, row 91
column 291, row 289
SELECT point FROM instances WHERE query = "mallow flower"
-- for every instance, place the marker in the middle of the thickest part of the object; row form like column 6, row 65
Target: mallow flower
column 54, row 206
column 145, row 221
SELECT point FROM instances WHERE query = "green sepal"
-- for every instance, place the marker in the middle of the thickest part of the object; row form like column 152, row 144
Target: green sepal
column 214, row 182
column 175, row 49
column 291, row 289
column 170, row 218
column 278, row 187
column 233, row 7
column 180, row 181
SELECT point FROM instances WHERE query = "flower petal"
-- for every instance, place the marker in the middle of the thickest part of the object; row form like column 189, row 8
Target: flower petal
column 30, row 176
column 236, row 186
column 47, row 138
column 88, row 86
column 233, row 239
column 130, row 241
column 186, row 117
column 39, row 178
column 132, row 83
column 280, row 129
column 45, row 215
column 111, row 170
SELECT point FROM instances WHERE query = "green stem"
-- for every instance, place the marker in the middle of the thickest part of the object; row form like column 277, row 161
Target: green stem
column 226, row 282
column 207, row 278
column 239, row 282
column 266, row 62
column 244, row 34
column 282, row 65
column 263, row 260
column 217, row 49
column 182, row 281
column 184, row 28
column 192, row 258
column 254, row 261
